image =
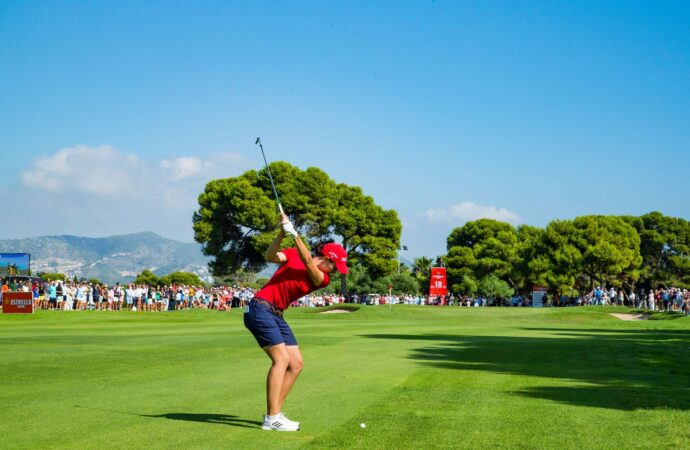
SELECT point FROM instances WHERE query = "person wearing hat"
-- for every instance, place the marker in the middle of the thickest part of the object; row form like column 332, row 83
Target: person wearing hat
column 299, row 274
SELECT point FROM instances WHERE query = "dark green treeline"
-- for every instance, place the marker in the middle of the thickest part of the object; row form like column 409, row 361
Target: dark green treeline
column 569, row 256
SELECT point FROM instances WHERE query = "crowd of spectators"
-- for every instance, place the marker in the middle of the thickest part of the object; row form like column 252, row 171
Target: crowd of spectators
column 71, row 296
column 66, row 295
column 666, row 299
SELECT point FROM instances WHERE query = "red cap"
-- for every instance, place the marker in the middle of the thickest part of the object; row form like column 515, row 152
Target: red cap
column 337, row 254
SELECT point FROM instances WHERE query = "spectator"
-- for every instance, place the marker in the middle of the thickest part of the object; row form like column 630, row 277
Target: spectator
column 129, row 297
column 59, row 291
column 80, row 295
column 117, row 294
column 678, row 300
column 664, row 299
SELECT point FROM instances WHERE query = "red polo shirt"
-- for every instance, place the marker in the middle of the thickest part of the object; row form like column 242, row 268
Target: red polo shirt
column 290, row 282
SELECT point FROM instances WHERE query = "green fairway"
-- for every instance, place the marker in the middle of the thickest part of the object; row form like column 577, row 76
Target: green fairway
column 419, row 377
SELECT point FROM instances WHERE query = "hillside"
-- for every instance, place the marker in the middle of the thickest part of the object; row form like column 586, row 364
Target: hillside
column 110, row 259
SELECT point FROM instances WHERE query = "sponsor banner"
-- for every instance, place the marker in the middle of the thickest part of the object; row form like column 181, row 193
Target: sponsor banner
column 437, row 284
column 538, row 294
column 17, row 302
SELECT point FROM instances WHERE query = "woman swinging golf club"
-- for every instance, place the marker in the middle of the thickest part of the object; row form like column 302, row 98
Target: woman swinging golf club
column 299, row 274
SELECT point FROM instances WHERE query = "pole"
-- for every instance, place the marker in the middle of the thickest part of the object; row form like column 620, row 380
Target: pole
column 270, row 176
column 404, row 247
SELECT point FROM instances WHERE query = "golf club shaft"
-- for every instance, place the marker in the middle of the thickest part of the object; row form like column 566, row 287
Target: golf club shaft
column 270, row 177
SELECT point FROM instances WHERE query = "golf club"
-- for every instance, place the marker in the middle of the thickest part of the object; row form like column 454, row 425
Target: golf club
column 270, row 177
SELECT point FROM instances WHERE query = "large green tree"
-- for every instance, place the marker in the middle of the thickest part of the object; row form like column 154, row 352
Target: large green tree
column 421, row 270
column 567, row 255
column 532, row 264
column 400, row 283
column 52, row 276
column 185, row 278
column 369, row 233
column 495, row 289
column 559, row 261
column 589, row 250
column 481, row 248
column 359, row 282
column 237, row 219
column 665, row 250
column 147, row 277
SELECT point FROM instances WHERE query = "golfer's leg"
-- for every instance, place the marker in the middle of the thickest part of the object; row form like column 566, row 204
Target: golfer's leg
column 276, row 377
column 294, row 368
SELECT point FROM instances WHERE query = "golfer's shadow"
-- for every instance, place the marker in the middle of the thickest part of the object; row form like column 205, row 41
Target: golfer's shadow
column 224, row 419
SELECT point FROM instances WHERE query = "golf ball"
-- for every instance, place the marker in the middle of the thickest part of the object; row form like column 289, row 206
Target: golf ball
column 361, row 425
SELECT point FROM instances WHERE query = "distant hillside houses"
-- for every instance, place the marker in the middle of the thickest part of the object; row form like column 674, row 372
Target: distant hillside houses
column 111, row 259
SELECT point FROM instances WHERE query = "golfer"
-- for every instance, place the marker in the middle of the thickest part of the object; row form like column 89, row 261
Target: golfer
column 299, row 274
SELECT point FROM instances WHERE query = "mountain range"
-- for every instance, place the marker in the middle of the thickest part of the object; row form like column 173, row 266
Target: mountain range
column 110, row 259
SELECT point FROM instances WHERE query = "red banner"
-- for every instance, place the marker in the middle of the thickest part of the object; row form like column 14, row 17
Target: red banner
column 437, row 285
column 17, row 302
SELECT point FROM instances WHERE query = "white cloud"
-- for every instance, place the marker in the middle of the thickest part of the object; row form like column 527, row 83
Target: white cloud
column 102, row 171
column 98, row 191
column 222, row 165
column 468, row 211
column 218, row 165
column 227, row 159
column 183, row 167
column 107, row 172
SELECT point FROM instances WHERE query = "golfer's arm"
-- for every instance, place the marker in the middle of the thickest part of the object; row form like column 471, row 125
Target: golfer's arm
column 313, row 271
column 273, row 253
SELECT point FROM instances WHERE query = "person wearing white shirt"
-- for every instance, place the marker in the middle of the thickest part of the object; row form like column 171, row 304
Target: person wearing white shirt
column 81, row 297
column 137, row 297
column 68, row 298
column 117, row 292
column 129, row 297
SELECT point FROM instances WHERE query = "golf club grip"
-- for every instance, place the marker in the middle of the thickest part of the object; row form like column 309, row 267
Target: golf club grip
column 280, row 208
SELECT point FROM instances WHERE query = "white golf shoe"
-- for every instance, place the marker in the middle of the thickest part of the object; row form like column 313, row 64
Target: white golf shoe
column 279, row 423
column 292, row 422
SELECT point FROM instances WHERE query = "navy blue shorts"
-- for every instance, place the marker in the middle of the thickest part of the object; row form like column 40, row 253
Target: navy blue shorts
column 267, row 328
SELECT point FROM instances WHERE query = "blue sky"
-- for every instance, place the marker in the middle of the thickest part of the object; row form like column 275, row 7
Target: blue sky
column 113, row 115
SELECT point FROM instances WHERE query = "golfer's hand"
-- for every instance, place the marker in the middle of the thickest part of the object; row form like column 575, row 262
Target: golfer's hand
column 289, row 228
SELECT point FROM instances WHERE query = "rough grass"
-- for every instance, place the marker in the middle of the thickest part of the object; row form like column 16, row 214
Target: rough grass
column 419, row 377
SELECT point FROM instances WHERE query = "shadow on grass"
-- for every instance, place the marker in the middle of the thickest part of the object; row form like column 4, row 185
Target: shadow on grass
column 614, row 369
column 666, row 316
column 224, row 419
column 640, row 335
